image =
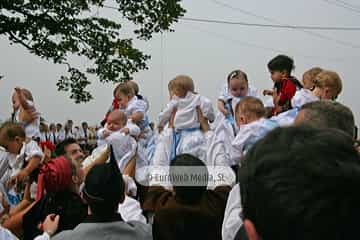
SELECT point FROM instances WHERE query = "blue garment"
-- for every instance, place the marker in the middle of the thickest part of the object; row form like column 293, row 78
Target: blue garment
column 177, row 134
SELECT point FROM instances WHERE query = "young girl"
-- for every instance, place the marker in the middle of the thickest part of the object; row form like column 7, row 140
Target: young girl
column 25, row 112
column 285, row 85
column 237, row 87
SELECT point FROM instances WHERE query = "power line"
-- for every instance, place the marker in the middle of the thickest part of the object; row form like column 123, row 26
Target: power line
column 318, row 35
column 344, row 5
column 257, row 46
column 349, row 4
column 271, row 25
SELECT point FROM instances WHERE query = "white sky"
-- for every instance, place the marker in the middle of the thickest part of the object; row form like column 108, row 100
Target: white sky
column 206, row 52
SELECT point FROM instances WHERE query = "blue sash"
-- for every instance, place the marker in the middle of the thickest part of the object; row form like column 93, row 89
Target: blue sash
column 176, row 139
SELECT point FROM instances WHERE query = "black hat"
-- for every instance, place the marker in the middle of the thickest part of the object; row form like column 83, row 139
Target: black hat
column 104, row 183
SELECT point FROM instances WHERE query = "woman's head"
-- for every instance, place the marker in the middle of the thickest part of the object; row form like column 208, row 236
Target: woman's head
column 238, row 83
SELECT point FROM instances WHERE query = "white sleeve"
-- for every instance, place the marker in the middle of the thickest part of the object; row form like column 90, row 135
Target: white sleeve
column 43, row 236
column 138, row 106
column 207, row 109
column 32, row 149
column 224, row 93
column 165, row 114
column 238, row 145
column 134, row 129
column 130, row 210
column 7, row 235
column 232, row 220
column 100, row 133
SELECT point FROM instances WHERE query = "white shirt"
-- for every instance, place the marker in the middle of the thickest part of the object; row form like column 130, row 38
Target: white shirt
column 5, row 172
column 302, row 97
column 30, row 149
column 232, row 220
column 186, row 114
column 247, row 136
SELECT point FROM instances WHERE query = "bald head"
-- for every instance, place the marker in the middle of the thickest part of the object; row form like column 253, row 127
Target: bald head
column 116, row 120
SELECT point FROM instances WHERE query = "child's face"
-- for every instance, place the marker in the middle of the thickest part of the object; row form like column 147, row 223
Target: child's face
column 278, row 76
column 238, row 87
column 240, row 118
column 306, row 81
column 14, row 146
column 123, row 99
column 15, row 101
column 114, row 123
column 324, row 93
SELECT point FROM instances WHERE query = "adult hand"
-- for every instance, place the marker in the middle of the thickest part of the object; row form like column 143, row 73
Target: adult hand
column 172, row 118
column 51, row 223
column 204, row 123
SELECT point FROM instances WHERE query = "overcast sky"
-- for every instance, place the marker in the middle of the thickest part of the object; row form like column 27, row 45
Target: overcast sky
column 206, row 52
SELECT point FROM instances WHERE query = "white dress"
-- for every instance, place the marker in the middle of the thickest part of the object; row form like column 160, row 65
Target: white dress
column 247, row 136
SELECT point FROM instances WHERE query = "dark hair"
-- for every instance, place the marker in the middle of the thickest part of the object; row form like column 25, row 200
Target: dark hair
column 188, row 193
column 60, row 147
column 104, row 188
column 281, row 63
column 308, row 181
column 10, row 130
column 329, row 114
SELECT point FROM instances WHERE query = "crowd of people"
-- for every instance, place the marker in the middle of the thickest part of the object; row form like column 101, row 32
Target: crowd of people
column 284, row 168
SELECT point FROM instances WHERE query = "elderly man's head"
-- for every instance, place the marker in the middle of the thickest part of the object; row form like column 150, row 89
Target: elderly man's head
column 327, row 114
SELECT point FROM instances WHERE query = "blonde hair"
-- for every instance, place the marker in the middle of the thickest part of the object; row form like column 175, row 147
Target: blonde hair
column 251, row 106
column 312, row 73
column 329, row 79
column 125, row 89
column 185, row 82
column 134, row 86
column 172, row 85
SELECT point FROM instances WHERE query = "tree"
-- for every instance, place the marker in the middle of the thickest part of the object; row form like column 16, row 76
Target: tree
column 57, row 29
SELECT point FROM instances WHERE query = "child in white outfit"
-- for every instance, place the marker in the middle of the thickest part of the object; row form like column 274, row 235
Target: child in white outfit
column 25, row 112
column 249, row 116
column 186, row 136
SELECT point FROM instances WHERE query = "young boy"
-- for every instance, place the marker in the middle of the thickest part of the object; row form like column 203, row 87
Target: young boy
column 249, row 116
column 24, row 154
column 285, row 85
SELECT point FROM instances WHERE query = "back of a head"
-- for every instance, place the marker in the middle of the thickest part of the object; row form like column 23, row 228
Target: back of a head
column 251, row 106
column 27, row 94
column 134, row 86
column 313, row 72
column 329, row 114
column 281, row 63
column 182, row 168
column 185, row 82
column 125, row 89
column 104, row 188
column 331, row 80
column 309, row 180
